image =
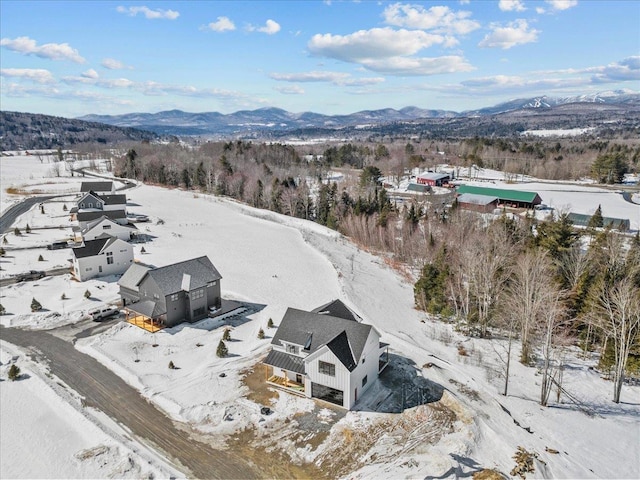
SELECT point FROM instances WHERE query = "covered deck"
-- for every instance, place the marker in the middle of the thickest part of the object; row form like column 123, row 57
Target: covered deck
column 284, row 383
column 383, row 360
column 144, row 315
column 287, row 367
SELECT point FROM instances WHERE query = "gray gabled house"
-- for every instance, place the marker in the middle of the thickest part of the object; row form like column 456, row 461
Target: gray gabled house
column 169, row 295
column 327, row 353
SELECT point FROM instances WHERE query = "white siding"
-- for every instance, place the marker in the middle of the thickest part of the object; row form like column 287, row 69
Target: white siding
column 368, row 366
column 341, row 379
column 114, row 229
column 89, row 267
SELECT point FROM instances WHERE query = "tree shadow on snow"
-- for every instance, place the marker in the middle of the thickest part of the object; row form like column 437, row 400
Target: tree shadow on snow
column 399, row 387
column 458, row 472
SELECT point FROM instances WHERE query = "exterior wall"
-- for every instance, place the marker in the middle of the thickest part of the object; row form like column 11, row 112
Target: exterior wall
column 129, row 296
column 213, row 295
column 97, row 266
column 368, row 367
column 341, row 381
column 196, row 305
column 115, row 230
column 89, row 202
column 175, row 308
column 488, row 208
column 149, row 290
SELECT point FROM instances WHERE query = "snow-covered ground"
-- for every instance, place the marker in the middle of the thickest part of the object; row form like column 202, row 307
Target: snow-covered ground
column 273, row 262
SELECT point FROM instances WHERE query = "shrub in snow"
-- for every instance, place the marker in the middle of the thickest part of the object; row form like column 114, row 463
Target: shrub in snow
column 35, row 305
column 2, row 252
column 142, row 250
column 64, row 207
column 17, row 232
column 14, row 372
column 87, row 294
column 28, row 229
column 261, row 334
column 171, row 365
column 2, row 310
column 227, row 334
column 4, row 240
column 63, row 296
column 40, row 258
column 270, row 323
column 222, row 350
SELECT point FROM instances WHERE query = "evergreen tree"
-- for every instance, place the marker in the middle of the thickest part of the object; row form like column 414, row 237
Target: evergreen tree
column 87, row 294
column 17, row 232
column 222, row 350
column 430, row 289
column 63, row 296
column 2, row 309
column 261, row 334
column 64, row 207
column 28, row 229
column 596, row 220
column 4, row 240
column 171, row 365
column 35, row 305
column 14, row 372
column 40, row 258
column 227, row 334
column 270, row 323
column 3, row 252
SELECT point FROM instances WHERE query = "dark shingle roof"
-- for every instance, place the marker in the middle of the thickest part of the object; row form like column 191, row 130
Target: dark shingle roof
column 118, row 199
column 92, row 247
column 285, row 361
column 96, row 186
column 321, row 329
column 336, row 308
column 418, row 187
column 133, row 276
column 341, row 349
column 170, row 277
column 112, row 214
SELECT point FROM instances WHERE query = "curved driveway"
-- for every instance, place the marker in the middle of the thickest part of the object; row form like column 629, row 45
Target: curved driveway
column 105, row 391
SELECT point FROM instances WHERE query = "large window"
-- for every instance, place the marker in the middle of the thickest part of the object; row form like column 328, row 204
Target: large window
column 174, row 297
column 364, row 380
column 109, row 258
column 327, row 368
column 197, row 294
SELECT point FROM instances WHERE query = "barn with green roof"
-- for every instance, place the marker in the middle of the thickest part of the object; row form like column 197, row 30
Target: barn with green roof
column 509, row 198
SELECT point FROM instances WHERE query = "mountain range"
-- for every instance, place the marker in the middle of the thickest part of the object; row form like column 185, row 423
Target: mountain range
column 265, row 120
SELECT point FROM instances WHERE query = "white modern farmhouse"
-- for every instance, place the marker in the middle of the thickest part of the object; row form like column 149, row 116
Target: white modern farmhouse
column 326, row 354
column 101, row 257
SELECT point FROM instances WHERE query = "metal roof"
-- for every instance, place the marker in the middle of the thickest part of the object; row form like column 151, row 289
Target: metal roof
column 611, row 222
column 502, row 194
column 476, row 199
column 148, row 308
column 434, row 176
column 291, row 363
column 418, row 187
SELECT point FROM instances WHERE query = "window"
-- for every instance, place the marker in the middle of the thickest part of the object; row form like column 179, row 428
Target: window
column 100, row 268
column 109, row 258
column 82, row 205
column 98, row 205
column 364, row 380
column 174, row 297
column 292, row 349
column 156, row 296
column 106, row 227
column 327, row 368
column 196, row 294
column 212, row 284
column 90, row 205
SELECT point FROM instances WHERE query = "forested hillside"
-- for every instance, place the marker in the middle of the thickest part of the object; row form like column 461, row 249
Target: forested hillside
column 28, row 131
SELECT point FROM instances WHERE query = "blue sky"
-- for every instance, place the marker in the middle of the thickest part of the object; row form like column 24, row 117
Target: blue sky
column 334, row 57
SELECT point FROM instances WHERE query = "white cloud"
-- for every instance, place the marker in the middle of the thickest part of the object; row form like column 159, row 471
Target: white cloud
column 514, row 33
column 511, row 6
column 148, row 13
column 37, row 75
column 113, row 64
column 440, row 19
column 222, row 24
column 625, row 70
column 91, row 73
column 560, row 5
column 270, row 27
column 290, row 90
column 52, row 51
column 411, row 66
column 336, row 78
column 372, row 44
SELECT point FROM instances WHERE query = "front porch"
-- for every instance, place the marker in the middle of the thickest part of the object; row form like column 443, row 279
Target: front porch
column 284, row 382
column 142, row 321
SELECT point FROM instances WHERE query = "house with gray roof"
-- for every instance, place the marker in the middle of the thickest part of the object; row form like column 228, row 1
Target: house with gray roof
column 328, row 354
column 176, row 293
column 103, row 256
column 101, row 187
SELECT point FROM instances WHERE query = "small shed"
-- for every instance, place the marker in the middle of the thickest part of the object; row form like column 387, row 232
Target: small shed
column 477, row 203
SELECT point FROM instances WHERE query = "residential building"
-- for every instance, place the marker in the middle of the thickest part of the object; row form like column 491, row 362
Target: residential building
column 326, row 354
column 106, row 187
column 169, row 295
column 101, row 257
column 104, row 226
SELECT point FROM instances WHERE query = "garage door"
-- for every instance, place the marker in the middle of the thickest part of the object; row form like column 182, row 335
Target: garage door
column 327, row 394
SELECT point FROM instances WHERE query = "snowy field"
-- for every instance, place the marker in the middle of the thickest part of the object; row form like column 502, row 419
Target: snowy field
column 272, row 262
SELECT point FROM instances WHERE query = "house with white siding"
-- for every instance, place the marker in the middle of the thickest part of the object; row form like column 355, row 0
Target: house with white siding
column 101, row 257
column 104, row 226
column 328, row 354
column 106, row 187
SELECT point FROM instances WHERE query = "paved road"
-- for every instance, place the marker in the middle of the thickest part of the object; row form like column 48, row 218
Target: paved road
column 49, row 273
column 105, row 391
column 9, row 217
